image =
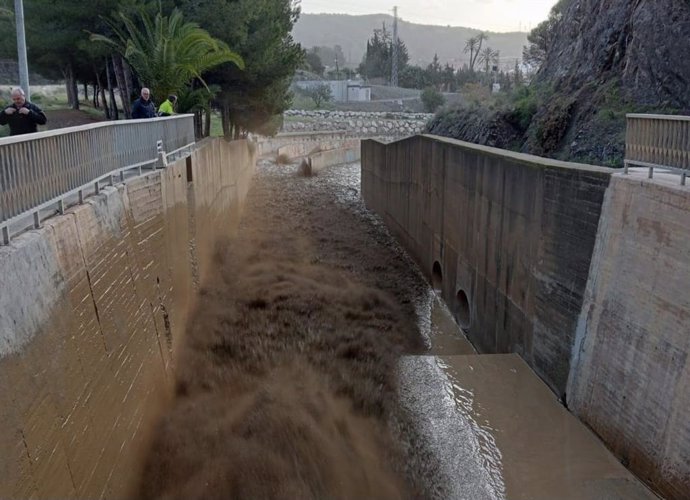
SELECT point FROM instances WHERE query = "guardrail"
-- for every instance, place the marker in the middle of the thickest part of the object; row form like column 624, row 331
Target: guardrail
column 43, row 169
column 658, row 142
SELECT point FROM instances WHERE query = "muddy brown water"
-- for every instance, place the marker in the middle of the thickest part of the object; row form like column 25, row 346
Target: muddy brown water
column 286, row 385
column 320, row 364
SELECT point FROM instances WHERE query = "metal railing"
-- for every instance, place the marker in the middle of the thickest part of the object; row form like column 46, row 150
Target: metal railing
column 658, row 142
column 43, row 169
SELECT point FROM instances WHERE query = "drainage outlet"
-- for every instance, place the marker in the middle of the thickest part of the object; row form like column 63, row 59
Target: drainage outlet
column 462, row 304
column 437, row 277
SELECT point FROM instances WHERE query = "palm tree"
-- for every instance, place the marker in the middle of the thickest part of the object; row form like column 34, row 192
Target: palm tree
column 474, row 46
column 471, row 46
column 488, row 56
column 167, row 53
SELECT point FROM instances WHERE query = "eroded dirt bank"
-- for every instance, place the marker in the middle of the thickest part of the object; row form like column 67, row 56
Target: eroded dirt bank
column 286, row 384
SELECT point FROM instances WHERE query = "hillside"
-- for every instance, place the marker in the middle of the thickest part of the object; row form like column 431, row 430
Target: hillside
column 9, row 74
column 607, row 58
column 352, row 33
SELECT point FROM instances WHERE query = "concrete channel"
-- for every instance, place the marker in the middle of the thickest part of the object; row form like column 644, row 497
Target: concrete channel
column 278, row 341
column 494, row 430
column 310, row 313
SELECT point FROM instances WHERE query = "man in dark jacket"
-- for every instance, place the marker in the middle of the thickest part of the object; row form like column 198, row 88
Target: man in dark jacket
column 143, row 107
column 22, row 116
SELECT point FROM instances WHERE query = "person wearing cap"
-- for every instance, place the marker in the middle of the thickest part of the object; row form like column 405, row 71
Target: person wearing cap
column 22, row 116
column 167, row 108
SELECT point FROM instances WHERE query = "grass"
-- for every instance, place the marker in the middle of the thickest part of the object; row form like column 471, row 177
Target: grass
column 216, row 125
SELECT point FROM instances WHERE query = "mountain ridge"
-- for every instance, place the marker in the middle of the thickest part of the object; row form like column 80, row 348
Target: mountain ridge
column 422, row 40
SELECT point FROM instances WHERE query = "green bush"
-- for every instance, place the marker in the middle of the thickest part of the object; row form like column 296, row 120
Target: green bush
column 525, row 106
column 432, row 99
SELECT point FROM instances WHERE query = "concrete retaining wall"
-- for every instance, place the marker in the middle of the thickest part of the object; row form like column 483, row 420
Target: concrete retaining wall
column 584, row 273
column 307, row 141
column 93, row 305
column 301, row 149
column 512, row 235
column 347, row 154
column 631, row 374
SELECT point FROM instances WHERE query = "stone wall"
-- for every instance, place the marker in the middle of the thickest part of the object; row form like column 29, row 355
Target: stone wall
column 507, row 237
column 299, row 143
column 357, row 123
column 93, row 306
column 630, row 380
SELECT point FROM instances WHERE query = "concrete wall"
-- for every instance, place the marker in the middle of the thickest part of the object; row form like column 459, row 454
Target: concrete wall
column 582, row 272
column 347, row 154
column 301, row 149
column 631, row 374
column 93, row 305
column 512, row 233
column 308, row 141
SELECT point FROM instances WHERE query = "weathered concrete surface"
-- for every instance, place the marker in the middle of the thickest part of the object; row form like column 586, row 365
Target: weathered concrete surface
column 513, row 232
column 517, row 235
column 301, row 149
column 631, row 374
column 348, row 154
column 92, row 305
column 309, row 140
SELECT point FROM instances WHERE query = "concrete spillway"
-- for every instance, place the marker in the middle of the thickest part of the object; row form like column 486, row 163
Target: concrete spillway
column 316, row 359
column 296, row 290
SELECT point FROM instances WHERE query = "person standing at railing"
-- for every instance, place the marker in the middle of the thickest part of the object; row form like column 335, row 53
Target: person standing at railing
column 22, row 116
column 168, row 106
column 144, row 107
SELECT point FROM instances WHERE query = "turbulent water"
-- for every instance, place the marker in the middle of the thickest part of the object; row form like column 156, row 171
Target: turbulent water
column 286, row 385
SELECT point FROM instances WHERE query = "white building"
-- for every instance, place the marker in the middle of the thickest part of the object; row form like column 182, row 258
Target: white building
column 341, row 90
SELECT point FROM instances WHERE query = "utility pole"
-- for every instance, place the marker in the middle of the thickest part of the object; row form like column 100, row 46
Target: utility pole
column 21, row 49
column 394, row 65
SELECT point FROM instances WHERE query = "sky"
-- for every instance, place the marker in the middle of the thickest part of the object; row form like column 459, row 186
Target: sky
column 490, row 15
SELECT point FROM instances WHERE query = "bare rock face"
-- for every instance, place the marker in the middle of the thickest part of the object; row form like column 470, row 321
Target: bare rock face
column 645, row 44
column 608, row 58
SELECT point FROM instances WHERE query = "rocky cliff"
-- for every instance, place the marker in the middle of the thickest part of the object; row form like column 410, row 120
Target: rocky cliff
column 607, row 58
column 644, row 44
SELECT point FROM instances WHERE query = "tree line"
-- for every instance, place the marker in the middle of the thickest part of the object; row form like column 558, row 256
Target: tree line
column 482, row 66
column 235, row 55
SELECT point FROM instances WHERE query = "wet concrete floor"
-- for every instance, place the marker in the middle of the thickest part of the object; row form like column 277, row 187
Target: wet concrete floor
column 489, row 428
column 320, row 364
